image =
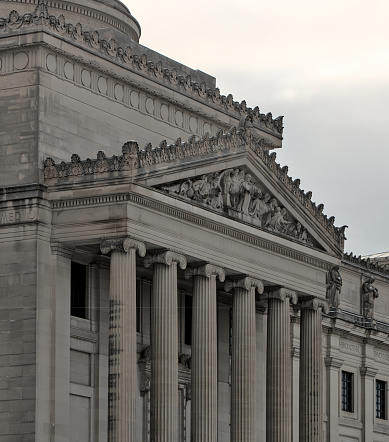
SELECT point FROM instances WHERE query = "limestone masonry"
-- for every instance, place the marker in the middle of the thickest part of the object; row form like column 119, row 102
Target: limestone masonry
column 162, row 277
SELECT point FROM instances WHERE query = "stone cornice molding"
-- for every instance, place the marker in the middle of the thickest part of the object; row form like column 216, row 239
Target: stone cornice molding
column 62, row 250
column 122, row 245
column 282, row 294
column 368, row 372
column 365, row 264
column 207, row 144
column 167, row 257
column 314, row 304
column 207, row 270
column 139, row 63
column 244, row 282
column 332, row 362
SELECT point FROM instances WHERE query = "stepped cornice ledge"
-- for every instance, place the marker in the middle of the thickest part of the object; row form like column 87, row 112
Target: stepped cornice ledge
column 139, row 63
column 365, row 264
column 133, row 158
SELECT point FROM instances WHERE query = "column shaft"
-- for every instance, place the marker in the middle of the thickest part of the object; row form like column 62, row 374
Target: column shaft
column 243, row 366
column 278, row 384
column 164, row 354
column 204, row 360
column 311, row 376
column 122, row 347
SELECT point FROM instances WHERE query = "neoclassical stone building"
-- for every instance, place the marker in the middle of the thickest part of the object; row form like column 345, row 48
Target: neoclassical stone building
column 162, row 277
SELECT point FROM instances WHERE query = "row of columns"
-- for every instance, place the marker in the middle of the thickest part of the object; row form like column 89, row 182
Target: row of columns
column 164, row 336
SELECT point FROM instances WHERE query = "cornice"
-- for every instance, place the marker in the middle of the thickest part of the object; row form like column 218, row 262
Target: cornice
column 165, row 153
column 365, row 265
column 139, row 63
column 196, row 220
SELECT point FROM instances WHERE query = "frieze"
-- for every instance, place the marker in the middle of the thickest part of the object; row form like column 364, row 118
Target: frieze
column 139, row 62
column 381, row 355
column 134, row 158
column 350, row 347
column 234, row 193
column 17, row 216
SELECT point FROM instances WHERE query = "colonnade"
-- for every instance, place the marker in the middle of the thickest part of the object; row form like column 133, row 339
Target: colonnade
column 164, row 338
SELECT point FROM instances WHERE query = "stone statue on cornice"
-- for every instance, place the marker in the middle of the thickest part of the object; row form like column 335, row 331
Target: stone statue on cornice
column 334, row 287
column 369, row 295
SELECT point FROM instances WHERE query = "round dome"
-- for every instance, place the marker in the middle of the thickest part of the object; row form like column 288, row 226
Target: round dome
column 92, row 14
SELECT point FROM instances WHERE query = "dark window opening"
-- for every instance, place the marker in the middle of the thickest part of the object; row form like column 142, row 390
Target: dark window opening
column 138, row 306
column 347, row 391
column 78, row 296
column 188, row 320
column 380, row 399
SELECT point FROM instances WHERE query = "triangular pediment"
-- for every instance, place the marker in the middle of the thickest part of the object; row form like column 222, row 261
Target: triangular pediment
column 237, row 176
column 237, row 194
column 233, row 174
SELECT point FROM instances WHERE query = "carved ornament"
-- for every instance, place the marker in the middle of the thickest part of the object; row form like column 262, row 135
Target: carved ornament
column 244, row 282
column 366, row 264
column 315, row 304
column 369, row 295
column 207, row 270
column 334, row 287
column 122, row 245
column 133, row 157
column 138, row 62
column 282, row 294
column 167, row 257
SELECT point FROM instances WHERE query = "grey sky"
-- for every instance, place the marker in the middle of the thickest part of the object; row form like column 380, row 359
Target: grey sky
column 324, row 65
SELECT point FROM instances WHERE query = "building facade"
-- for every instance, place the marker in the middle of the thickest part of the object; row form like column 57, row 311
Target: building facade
column 162, row 277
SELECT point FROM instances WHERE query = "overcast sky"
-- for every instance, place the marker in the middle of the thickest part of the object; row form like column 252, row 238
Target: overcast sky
column 324, row 65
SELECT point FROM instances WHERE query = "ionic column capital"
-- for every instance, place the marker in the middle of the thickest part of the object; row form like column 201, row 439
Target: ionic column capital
column 282, row 294
column 244, row 282
column 207, row 270
column 314, row 304
column 163, row 256
column 122, row 245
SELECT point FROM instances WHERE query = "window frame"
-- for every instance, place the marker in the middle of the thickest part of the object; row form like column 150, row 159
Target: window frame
column 384, row 400
column 347, row 392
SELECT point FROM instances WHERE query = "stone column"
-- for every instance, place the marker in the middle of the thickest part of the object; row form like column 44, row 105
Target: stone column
column 164, row 345
column 368, row 402
column 278, row 373
column 122, row 337
column 332, row 367
column 311, row 371
column 243, row 358
column 204, row 351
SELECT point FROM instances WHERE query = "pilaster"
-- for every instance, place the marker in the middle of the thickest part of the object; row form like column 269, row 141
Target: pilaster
column 60, row 350
column 333, row 366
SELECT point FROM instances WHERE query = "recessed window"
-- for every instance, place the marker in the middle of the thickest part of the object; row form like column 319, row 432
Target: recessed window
column 188, row 320
column 347, row 391
column 78, row 295
column 380, row 399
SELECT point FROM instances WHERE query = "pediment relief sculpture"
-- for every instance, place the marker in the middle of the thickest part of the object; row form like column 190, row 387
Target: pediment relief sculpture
column 234, row 193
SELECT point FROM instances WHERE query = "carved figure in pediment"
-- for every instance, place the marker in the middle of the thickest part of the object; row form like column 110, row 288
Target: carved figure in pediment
column 201, row 188
column 334, row 287
column 271, row 209
column 246, row 187
column 369, row 295
column 215, row 199
column 260, row 206
column 234, row 188
column 278, row 222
